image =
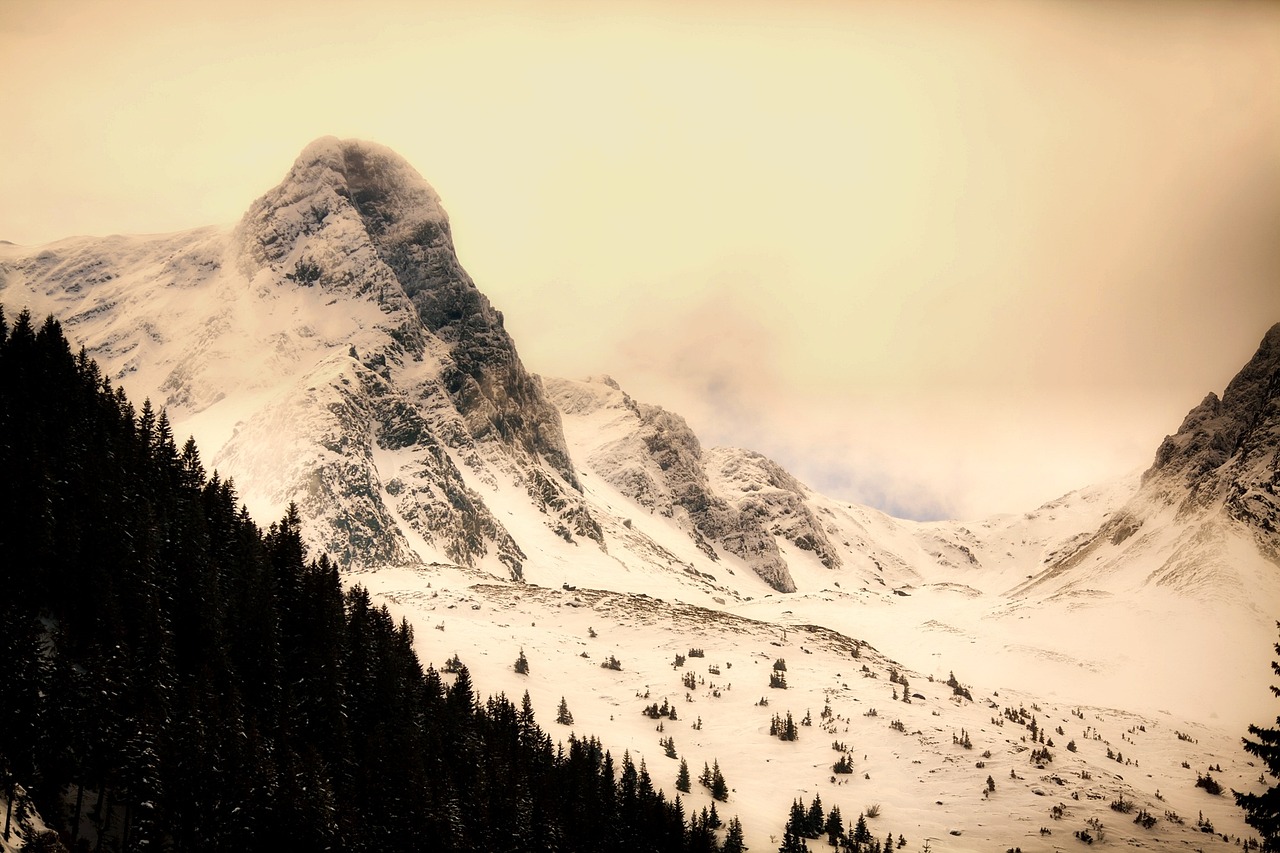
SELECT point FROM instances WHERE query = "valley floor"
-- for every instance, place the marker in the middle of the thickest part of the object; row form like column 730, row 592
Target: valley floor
column 909, row 761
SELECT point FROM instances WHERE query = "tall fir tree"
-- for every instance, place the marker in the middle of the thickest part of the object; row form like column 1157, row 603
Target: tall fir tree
column 682, row 777
column 733, row 838
column 1262, row 811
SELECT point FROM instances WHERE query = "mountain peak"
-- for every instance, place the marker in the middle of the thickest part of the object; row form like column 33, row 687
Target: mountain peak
column 354, row 217
column 1217, row 429
column 363, row 183
column 1226, row 450
column 389, row 194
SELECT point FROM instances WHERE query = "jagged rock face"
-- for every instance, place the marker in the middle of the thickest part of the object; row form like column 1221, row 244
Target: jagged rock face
column 762, row 490
column 408, row 235
column 355, row 219
column 657, row 461
column 1226, row 449
column 316, row 446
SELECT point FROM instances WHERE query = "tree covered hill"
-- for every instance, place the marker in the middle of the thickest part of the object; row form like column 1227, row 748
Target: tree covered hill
column 172, row 677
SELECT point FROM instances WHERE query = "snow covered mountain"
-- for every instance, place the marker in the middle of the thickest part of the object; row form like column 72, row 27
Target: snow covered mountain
column 329, row 350
column 1205, row 518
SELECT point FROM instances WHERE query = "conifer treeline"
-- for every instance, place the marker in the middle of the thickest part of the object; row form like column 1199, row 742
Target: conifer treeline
column 174, row 678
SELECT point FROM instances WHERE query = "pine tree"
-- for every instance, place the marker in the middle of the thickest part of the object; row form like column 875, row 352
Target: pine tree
column 1262, row 811
column 792, row 843
column 797, row 819
column 733, row 840
column 682, row 778
column 813, row 819
column 563, row 717
column 522, row 664
column 861, row 834
column 834, row 826
column 719, row 789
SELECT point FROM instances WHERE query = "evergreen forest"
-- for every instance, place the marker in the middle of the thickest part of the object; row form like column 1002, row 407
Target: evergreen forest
column 175, row 677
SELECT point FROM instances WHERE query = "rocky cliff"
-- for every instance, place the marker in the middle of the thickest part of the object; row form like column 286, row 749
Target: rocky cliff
column 1225, row 452
column 1213, row 487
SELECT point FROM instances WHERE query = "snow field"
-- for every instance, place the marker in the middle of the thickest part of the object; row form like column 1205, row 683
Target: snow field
column 928, row 787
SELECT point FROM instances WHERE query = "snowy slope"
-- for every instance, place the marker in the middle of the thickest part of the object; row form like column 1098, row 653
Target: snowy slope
column 927, row 786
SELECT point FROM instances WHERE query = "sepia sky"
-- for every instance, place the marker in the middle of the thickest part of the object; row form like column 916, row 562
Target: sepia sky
column 948, row 259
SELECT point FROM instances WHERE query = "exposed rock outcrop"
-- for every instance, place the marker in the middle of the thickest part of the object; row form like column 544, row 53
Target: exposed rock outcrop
column 1226, row 451
column 653, row 457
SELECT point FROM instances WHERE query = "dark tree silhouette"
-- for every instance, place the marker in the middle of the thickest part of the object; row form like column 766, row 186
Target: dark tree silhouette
column 1262, row 811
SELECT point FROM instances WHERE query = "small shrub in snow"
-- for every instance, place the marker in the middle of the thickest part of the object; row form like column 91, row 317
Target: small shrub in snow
column 611, row 663
column 653, row 711
column 1209, row 783
column 958, row 689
